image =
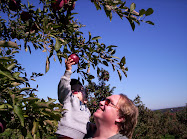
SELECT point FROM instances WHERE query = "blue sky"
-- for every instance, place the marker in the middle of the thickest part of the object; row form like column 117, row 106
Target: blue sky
column 156, row 55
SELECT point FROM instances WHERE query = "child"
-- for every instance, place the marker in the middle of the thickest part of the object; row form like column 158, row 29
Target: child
column 73, row 97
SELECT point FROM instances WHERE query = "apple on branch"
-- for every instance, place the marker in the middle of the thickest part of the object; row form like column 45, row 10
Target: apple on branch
column 25, row 16
column 75, row 58
column 14, row 5
column 57, row 4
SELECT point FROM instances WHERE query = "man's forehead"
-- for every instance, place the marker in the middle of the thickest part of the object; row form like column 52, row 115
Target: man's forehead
column 114, row 98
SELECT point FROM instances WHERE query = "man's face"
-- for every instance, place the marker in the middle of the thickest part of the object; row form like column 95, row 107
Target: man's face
column 107, row 112
column 77, row 90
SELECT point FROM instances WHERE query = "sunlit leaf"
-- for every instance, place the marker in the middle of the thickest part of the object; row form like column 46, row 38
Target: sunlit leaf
column 35, row 127
column 25, row 88
column 47, row 65
column 57, row 45
column 7, row 74
column 9, row 44
column 51, row 101
column 5, row 106
column 96, row 38
column 19, row 113
column 5, row 59
column 11, row 66
column 132, row 7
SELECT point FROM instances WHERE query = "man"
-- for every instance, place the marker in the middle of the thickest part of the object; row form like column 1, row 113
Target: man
column 116, row 118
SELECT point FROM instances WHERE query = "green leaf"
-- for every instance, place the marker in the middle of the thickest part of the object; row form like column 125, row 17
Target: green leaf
column 90, row 36
column 9, row 67
column 5, row 59
column 51, row 101
column 113, row 66
column 149, row 22
column 57, row 45
column 31, row 98
column 5, row 106
column 105, row 63
column 96, row 38
column 97, row 6
column 49, row 122
column 16, row 74
column 47, row 65
column 149, row 11
column 9, row 44
column 110, row 46
column 25, row 88
column 35, row 127
column 123, row 61
column 91, row 77
column 132, row 7
column 7, row 74
column 131, row 23
column 98, row 70
column 119, row 73
column 42, row 104
column 141, row 12
column 19, row 113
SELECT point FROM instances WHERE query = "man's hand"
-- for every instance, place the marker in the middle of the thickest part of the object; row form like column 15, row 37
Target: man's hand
column 69, row 62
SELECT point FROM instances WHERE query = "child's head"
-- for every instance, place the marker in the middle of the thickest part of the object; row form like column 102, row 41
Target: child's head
column 78, row 90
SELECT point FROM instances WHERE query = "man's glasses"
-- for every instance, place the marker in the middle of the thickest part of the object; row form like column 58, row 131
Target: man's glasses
column 109, row 103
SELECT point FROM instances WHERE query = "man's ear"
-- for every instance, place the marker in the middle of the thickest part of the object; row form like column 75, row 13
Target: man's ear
column 85, row 101
column 119, row 119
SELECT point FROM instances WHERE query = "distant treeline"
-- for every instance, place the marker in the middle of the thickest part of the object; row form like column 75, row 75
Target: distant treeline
column 170, row 123
column 174, row 109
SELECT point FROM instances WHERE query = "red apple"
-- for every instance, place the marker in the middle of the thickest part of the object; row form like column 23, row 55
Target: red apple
column 75, row 58
column 57, row 4
column 66, row 1
column 2, row 126
column 14, row 5
column 25, row 16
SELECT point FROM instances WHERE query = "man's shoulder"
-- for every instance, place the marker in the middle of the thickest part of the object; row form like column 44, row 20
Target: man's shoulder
column 118, row 136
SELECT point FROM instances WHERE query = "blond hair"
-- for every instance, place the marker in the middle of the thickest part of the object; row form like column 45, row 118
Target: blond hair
column 129, row 112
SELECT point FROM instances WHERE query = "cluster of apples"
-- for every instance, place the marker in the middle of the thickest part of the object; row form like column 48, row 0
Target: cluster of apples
column 15, row 5
column 66, row 4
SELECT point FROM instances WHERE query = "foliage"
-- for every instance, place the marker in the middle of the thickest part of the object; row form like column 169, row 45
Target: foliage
column 51, row 27
column 56, row 32
column 155, row 124
column 19, row 106
column 98, row 92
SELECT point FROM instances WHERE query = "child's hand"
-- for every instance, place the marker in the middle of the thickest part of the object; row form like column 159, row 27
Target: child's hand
column 69, row 62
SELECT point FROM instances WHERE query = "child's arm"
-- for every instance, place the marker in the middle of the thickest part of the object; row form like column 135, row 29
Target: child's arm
column 64, row 87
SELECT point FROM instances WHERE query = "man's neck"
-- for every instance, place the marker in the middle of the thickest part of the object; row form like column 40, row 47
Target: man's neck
column 104, row 132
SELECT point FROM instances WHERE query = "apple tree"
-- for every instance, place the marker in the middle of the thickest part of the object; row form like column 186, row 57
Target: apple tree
column 51, row 26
